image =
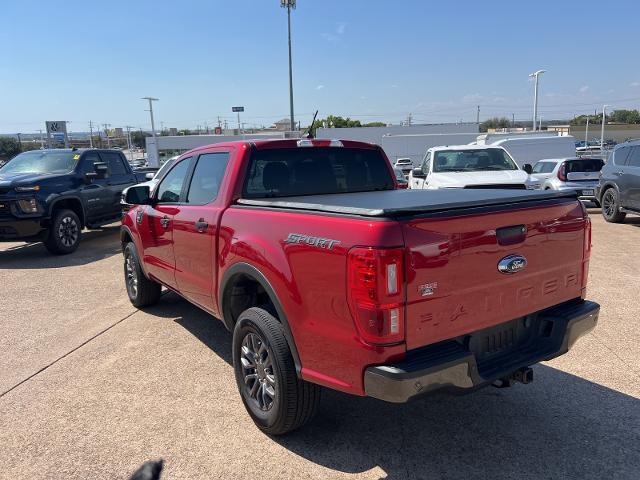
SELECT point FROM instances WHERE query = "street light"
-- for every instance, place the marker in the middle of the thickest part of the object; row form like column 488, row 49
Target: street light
column 289, row 5
column 604, row 109
column 154, row 159
column 535, row 96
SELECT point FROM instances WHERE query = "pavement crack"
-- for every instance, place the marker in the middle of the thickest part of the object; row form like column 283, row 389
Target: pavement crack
column 68, row 353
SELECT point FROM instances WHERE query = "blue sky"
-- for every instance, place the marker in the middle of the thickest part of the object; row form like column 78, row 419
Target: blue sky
column 371, row 60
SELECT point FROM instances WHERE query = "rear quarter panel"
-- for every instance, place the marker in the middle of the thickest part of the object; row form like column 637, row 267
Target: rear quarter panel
column 311, row 284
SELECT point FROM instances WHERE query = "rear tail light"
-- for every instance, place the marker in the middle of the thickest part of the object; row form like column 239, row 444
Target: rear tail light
column 562, row 172
column 587, row 239
column 376, row 293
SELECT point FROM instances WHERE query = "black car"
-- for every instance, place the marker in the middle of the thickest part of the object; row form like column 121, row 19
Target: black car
column 619, row 187
column 51, row 195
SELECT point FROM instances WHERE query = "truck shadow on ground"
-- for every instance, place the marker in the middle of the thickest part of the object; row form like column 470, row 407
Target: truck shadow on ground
column 560, row 426
column 96, row 245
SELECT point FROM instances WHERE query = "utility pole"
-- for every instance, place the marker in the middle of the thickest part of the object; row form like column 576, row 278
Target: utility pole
column 219, row 122
column 154, row 158
column 478, row 115
column 129, row 145
column 106, row 131
column 90, row 134
column 586, row 133
column 19, row 142
column 290, row 4
column 513, row 120
column 41, row 140
column 604, row 109
column 535, row 96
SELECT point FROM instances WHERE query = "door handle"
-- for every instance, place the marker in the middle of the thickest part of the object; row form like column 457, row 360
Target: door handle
column 621, row 172
column 164, row 221
column 201, row 225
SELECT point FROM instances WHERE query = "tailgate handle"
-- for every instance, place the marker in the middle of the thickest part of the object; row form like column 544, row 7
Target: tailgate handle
column 511, row 235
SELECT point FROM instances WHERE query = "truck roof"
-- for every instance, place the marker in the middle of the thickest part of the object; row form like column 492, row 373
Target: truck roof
column 392, row 203
column 290, row 143
column 465, row 147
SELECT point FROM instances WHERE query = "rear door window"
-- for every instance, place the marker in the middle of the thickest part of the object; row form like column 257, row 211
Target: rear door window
column 620, row 155
column 207, row 178
column 633, row 160
column 114, row 161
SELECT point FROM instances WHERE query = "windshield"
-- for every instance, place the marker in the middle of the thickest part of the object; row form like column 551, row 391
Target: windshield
column 287, row 172
column 39, row 161
column 473, row 160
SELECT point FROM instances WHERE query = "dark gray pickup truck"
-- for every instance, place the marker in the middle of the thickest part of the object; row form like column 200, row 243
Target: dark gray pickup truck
column 51, row 195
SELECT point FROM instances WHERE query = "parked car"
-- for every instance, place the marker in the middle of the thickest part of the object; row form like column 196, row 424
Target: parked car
column 138, row 163
column 51, row 195
column 404, row 164
column 619, row 187
column 400, row 177
column 470, row 166
column 328, row 275
column 579, row 174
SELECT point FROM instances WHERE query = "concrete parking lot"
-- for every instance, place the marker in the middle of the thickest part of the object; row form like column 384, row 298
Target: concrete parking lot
column 90, row 387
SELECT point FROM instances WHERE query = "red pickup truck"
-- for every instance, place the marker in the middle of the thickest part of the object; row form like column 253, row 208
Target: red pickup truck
column 328, row 275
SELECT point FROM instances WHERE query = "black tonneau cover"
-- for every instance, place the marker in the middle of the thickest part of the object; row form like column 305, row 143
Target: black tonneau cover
column 393, row 203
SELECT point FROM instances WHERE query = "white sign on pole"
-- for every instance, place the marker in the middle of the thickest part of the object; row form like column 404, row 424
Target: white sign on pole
column 57, row 130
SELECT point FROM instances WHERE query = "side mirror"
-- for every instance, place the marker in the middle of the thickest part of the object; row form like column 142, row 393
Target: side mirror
column 149, row 176
column 101, row 170
column 418, row 173
column 138, row 195
column 527, row 168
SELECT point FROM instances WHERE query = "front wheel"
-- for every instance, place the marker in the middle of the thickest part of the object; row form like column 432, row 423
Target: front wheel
column 611, row 206
column 277, row 400
column 64, row 234
column 142, row 291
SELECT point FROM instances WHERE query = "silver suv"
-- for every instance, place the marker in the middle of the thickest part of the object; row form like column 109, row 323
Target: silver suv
column 619, row 189
column 579, row 174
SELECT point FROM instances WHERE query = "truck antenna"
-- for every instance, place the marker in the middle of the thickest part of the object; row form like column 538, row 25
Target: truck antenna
column 310, row 130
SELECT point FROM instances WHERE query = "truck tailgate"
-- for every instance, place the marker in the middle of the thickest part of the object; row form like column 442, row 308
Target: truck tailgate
column 454, row 286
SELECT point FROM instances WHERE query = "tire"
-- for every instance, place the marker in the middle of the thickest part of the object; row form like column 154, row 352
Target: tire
column 65, row 233
column 277, row 400
column 611, row 206
column 142, row 292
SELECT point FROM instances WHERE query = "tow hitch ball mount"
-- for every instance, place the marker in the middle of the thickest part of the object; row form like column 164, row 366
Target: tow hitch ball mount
column 522, row 375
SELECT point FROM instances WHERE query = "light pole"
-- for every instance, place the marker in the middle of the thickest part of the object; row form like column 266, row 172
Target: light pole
column 604, row 109
column 535, row 96
column 154, row 158
column 290, row 4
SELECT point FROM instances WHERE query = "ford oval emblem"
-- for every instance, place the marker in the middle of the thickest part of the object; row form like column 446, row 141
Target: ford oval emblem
column 512, row 264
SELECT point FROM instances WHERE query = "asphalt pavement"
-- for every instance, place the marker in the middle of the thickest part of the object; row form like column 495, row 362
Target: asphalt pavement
column 90, row 387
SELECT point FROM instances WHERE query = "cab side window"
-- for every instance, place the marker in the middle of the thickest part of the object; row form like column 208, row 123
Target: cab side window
column 170, row 188
column 426, row 165
column 86, row 165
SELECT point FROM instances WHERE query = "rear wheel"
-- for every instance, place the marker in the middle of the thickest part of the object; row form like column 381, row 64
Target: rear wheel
column 64, row 234
column 611, row 206
column 142, row 291
column 277, row 400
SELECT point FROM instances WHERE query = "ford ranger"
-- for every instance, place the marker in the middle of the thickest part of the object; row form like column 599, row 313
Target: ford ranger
column 51, row 195
column 330, row 276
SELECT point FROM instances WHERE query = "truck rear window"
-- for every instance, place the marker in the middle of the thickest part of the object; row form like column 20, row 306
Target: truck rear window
column 290, row 172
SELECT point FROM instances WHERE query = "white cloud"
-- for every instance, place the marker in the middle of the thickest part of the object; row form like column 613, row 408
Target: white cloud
column 472, row 97
column 319, row 87
column 584, row 89
column 330, row 37
column 340, row 29
column 334, row 37
column 634, row 84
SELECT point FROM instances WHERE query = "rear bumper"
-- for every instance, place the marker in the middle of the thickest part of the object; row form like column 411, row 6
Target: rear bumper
column 463, row 364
